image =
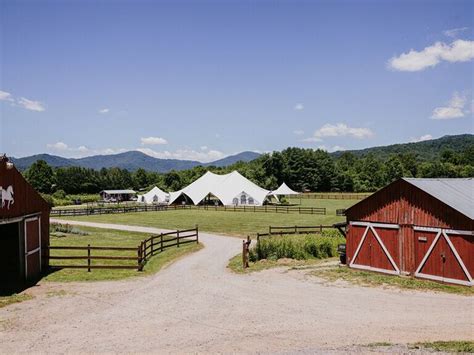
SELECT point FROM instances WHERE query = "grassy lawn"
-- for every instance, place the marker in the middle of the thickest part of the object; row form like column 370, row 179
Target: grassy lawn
column 446, row 346
column 111, row 238
column 330, row 205
column 15, row 298
column 230, row 223
column 235, row 264
column 368, row 278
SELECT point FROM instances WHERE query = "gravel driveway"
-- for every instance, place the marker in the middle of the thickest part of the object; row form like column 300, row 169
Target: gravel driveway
column 197, row 305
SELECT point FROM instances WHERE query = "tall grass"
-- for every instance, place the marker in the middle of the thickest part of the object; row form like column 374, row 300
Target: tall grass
column 299, row 247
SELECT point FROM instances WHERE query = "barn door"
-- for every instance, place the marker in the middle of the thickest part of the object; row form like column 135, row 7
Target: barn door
column 32, row 248
column 444, row 255
column 378, row 248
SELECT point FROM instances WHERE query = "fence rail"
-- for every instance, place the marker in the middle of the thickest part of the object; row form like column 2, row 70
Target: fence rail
column 154, row 208
column 281, row 230
column 147, row 248
column 332, row 196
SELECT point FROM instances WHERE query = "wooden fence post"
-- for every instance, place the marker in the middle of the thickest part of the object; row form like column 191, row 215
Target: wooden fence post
column 140, row 257
column 161, row 242
column 152, row 245
column 88, row 258
column 197, row 234
column 245, row 252
column 177, row 238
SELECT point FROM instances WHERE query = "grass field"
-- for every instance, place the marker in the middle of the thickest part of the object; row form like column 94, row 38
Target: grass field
column 330, row 205
column 374, row 279
column 229, row 223
column 15, row 298
column 111, row 238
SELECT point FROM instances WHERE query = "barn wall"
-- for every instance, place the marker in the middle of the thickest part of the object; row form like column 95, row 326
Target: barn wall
column 27, row 201
column 404, row 204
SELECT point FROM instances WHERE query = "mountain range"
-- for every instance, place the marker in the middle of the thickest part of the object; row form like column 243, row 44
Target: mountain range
column 133, row 160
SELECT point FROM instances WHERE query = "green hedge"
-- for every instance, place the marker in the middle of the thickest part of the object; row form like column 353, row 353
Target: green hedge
column 297, row 246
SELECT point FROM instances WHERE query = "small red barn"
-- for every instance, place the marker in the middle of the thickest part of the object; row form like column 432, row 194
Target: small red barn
column 419, row 227
column 24, row 228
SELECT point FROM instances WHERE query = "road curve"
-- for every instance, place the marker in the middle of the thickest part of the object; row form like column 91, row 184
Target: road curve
column 197, row 305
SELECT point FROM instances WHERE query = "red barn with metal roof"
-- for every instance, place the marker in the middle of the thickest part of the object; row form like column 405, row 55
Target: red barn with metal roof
column 24, row 228
column 419, row 227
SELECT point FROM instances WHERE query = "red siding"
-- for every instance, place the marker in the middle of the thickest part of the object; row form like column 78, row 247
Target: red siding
column 407, row 206
column 26, row 201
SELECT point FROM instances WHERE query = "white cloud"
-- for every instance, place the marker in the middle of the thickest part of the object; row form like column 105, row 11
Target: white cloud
column 153, row 141
column 104, row 110
column 61, row 146
column 185, row 154
column 454, row 32
column 299, row 107
column 6, row 96
column 424, row 137
column 204, row 147
column 298, row 132
column 312, row 140
column 30, row 104
column 454, row 109
column 22, row 101
column 81, row 151
column 342, row 130
column 458, row 51
column 331, row 149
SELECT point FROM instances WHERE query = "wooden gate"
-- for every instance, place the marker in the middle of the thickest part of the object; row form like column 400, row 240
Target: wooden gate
column 444, row 255
column 32, row 248
column 377, row 248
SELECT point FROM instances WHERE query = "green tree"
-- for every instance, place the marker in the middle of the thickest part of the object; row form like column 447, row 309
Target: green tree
column 41, row 176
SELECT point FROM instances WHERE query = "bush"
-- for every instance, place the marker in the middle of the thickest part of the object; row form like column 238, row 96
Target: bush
column 59, row 195
column 48, row 198
column 65, row 228
column 299, row 247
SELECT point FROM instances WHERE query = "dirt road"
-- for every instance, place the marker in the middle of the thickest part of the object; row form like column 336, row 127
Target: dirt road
column 197, row 305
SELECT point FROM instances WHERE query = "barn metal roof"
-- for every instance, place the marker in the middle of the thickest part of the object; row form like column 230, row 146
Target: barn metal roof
column 456, row 193
column 114, row 192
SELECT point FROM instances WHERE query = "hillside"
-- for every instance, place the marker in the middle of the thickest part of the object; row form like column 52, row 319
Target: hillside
column 131, row 160
column 426, row 150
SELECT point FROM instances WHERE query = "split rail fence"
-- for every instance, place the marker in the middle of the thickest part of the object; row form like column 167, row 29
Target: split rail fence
column 137, row 257
column 73, row 212
column 283, row 230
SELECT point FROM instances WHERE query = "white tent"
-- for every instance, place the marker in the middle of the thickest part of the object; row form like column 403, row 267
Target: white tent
column 155, row 195
column 230, row 189
column 283, row 190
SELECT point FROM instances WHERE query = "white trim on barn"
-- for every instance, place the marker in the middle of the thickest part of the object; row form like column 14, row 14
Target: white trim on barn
column 36, row 250
column 444, row 232
column 372, row 226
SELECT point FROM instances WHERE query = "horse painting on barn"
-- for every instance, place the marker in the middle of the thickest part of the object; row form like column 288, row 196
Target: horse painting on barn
column 7, row 196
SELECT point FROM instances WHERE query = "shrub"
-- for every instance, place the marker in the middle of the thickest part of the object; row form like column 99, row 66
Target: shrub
column 66, row 228
column 48, row 198
column 299, row 247
column 59, row 195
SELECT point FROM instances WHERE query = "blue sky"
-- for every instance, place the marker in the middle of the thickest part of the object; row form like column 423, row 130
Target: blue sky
column 204, row 79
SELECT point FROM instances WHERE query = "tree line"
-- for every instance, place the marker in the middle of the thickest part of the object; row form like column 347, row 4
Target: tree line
column 301, row 169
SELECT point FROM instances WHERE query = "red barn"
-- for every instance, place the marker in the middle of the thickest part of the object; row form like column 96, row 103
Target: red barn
column 419, row 227
column 24, row 228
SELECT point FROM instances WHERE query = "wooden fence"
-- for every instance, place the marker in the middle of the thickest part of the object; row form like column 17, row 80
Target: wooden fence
column 73, row 212
column 137, row 256
column 272, row 230
column 332, row 196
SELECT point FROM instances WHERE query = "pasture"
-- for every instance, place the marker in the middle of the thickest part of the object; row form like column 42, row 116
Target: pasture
column 228, row 223
column 82, row 236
